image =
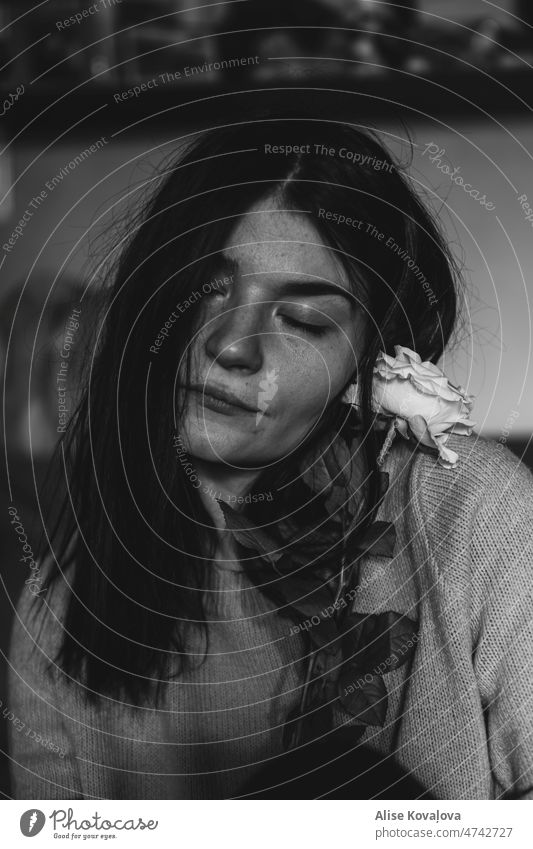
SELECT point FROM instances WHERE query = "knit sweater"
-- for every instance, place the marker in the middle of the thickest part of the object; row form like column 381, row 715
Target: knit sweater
column 460, row 712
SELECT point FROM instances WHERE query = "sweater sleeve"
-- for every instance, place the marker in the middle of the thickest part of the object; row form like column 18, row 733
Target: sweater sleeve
column 41, row 750
column 502, row 618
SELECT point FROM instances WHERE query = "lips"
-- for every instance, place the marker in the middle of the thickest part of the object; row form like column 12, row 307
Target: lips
column 224, row 396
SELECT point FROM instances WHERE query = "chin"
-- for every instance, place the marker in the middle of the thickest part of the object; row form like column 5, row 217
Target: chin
column 219, row 446
column 234, row 456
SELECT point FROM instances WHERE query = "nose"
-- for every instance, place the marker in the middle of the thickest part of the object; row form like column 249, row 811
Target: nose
column 234, row 339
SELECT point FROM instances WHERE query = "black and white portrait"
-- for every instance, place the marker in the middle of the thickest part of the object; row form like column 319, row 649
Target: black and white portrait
column 265, row 334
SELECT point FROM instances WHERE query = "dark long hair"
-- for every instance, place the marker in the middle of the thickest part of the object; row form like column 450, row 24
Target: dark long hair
column 132, row 528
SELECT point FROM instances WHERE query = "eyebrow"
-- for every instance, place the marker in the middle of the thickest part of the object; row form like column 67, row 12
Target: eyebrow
column 228, row 265
column 310, row 287
column 299, row 287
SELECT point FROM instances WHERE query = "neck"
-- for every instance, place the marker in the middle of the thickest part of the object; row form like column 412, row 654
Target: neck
column 225, row 483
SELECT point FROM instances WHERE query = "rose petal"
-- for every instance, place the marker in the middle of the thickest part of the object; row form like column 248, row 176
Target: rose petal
column 407, row 354
column 447, row 458
column 419, row 428
column 463, row 428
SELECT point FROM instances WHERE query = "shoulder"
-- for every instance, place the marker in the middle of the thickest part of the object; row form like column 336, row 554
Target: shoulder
column 469, row 530
column 482, row 464
column 488, row 479
column 475, row 522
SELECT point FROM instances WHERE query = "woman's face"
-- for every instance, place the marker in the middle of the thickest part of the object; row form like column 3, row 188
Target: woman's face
column 281, row 337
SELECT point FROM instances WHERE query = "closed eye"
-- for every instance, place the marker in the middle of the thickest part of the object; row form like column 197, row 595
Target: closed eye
column 215, row 290
column 312, row 329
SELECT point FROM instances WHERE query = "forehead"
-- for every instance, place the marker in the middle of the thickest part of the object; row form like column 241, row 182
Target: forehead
column 273, row 239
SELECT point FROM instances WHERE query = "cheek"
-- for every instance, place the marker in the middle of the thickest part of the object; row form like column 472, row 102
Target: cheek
column 311, row 378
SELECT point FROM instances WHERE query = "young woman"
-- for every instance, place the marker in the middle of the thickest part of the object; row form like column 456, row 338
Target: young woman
column 279, row 527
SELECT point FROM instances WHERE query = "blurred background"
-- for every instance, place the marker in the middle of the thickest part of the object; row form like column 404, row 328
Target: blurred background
column 449, row 84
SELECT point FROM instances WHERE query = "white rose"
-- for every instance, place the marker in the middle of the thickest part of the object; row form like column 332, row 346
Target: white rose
column 421, row 400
